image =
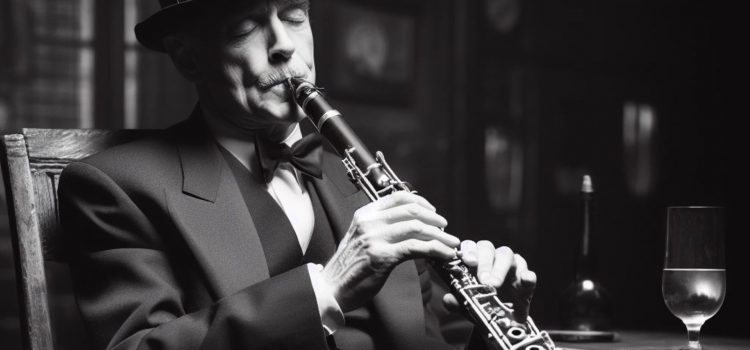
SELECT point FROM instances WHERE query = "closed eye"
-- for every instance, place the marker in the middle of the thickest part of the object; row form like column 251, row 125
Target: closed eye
column 296, row 15
column 242, row 27
column 294, row 11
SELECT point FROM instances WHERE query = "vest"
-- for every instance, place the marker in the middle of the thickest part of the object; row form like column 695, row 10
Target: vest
column 283, row 252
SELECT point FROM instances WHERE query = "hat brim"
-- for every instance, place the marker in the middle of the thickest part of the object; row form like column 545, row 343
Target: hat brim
column 151, row 32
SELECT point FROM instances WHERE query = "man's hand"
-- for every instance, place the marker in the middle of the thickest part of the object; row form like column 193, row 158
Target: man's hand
column 384, row 233
column 495, row 267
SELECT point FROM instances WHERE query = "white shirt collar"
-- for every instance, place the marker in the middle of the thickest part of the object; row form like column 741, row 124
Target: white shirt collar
column 244, row 150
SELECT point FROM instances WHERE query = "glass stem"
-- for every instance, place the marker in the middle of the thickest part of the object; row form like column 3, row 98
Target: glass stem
column 694, row 332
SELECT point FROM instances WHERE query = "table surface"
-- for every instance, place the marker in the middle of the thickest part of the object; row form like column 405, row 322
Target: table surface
column 642, row 340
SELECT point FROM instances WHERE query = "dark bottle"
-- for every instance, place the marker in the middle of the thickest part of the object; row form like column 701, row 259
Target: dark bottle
column 585, row 304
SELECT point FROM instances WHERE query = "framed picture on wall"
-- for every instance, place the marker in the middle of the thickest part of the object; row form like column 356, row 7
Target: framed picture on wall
column 373, row 53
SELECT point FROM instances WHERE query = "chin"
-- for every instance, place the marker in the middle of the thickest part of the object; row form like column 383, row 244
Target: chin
column 283, row 113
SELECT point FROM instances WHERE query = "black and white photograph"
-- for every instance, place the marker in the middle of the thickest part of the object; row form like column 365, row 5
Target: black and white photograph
column 372, row 175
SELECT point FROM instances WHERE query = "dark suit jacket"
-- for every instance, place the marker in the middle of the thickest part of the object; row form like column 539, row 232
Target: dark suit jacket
column 166, row 255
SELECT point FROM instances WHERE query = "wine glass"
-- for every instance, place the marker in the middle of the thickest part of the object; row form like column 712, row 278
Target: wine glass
column 694, row 280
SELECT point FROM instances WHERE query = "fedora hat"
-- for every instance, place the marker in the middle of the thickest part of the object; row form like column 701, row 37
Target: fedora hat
column 174, row 14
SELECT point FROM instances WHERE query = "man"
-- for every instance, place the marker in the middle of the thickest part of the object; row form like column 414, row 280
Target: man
column 199, row 238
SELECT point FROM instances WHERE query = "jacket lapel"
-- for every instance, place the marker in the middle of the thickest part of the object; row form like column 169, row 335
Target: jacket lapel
column 212, row 214
column 217, row 226
column 399, row 302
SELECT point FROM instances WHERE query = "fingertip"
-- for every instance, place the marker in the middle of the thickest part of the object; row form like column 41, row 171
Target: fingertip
column 453, row 241
column 506, row 250
column 468, row 245
column 449, row 298
column 442, row 251
column 443, row 221
column 468, row 253
column 429, row 206
column 450, row 253
column 450, row 302
column 529, row 277
column 469, row 258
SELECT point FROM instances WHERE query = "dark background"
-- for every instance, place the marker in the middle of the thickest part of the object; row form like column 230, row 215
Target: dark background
column 493, row 109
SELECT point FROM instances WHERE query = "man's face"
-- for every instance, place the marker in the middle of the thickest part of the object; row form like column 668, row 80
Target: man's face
column 244, row 64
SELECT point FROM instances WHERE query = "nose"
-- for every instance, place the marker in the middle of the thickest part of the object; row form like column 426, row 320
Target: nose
column 281, row 46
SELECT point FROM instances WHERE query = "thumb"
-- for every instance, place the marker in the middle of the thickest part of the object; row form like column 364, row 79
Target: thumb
column 451, row 303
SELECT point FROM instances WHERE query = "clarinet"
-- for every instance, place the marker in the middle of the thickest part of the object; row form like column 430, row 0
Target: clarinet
column 375, row 178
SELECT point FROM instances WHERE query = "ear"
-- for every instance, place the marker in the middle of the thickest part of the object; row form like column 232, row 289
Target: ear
column 183, row 56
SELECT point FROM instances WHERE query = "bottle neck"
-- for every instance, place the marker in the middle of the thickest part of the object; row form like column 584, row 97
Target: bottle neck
column 584, row 268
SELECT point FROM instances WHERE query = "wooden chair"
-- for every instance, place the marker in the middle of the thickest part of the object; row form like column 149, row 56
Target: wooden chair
column 31, row 163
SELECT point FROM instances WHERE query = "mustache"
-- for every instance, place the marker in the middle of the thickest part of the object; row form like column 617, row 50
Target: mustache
column 279, row 76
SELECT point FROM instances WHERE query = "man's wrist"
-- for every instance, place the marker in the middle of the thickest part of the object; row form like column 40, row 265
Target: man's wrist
column 331, row 316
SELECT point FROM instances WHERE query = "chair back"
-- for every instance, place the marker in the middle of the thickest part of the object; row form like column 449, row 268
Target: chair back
column 32, row 163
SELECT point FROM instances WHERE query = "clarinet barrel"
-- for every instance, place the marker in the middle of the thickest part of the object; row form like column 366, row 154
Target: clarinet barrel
column 374, row 177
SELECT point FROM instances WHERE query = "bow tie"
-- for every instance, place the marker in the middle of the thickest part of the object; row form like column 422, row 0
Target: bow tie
column 306, row 155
